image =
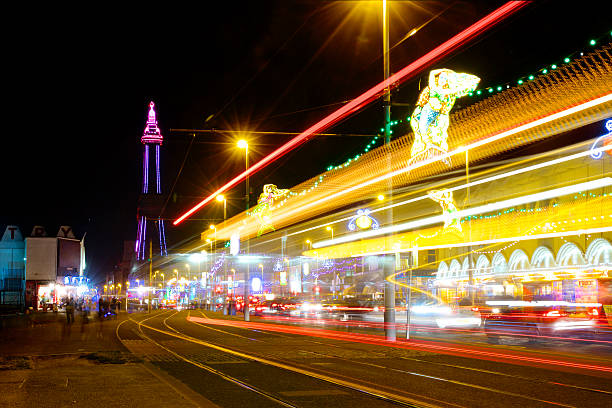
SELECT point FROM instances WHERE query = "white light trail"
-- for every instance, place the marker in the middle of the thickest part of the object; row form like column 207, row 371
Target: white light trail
column 545, row 195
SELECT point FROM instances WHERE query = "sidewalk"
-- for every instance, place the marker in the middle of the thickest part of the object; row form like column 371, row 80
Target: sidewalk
column 47, row 363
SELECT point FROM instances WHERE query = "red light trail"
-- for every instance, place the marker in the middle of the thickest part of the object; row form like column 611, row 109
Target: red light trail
column 511, row 357
column 373, row 93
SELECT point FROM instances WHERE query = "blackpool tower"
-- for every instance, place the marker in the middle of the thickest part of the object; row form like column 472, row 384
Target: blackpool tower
column 150, row 225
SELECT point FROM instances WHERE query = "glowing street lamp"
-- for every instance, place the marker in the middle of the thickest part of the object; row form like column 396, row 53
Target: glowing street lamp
column 309, row 243
column 221, row 198
column 328, row 228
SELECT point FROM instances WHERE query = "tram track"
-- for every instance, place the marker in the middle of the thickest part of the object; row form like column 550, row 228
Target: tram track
column 366, row 391
column 527, row 379
column 158, row 329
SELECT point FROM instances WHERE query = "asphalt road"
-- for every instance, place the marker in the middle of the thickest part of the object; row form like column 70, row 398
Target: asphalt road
column 267, row 364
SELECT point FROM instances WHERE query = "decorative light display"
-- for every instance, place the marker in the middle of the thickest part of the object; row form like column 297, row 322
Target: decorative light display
column 363, row 220
column 605, row 139
column 508, row 120
column 430, row 119
column 542, row 71
column 151, row 137
column 449, row 208
column 489, row 90
column 263, row 208
column 487, row 208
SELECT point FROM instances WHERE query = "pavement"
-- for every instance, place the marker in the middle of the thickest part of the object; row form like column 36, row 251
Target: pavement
column 45, row 362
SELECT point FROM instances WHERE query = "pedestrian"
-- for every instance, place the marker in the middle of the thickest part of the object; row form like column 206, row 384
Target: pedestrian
column 100, row 308
column 70, row 311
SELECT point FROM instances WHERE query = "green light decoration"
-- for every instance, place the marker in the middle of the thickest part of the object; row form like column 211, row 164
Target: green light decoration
column 263, row 209
column 499, row 88
column 444, row 197
column 430, row 119
column 545, row 71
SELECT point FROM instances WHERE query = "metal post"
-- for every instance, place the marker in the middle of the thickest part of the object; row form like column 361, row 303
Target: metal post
column 415, row 263
column 248, row 264
column 389, row 261
column 150, row 271
column 470, row 257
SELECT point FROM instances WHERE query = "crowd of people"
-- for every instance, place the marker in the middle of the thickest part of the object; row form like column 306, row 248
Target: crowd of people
column 106, row 308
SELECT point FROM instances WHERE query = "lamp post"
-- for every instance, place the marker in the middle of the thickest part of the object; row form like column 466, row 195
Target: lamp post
column 389, row 262
column 127, row 288
column 328, row 228
column 221, row 198
column 244, row 145
column 262, row 277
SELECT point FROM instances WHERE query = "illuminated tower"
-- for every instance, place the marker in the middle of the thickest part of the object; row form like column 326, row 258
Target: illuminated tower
column 150, row 199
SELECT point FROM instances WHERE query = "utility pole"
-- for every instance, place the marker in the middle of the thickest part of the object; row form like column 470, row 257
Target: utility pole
column 388, row 261
column 150, row 272
column 248, row 263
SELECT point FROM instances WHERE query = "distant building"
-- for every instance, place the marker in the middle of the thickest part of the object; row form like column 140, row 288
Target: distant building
column 12, row 268
column 54, row 267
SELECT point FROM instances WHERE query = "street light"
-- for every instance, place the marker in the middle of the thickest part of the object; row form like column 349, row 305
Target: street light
column 309, row 243
column 221, row 198
column 332, row 231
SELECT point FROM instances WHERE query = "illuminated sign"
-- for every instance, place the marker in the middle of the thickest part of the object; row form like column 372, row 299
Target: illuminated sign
column 256, row 284
column 235, row 244
column 283, row 278
column 607, row 139
column 363, row 220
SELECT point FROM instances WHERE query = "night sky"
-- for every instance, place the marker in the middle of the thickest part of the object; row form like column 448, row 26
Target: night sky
column 80, row 81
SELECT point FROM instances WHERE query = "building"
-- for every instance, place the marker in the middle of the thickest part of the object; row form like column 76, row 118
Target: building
column 12, row 269
column 54, row 267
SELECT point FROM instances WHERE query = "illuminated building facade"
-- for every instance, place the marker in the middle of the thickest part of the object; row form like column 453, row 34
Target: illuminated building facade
column 150, row 226
column 54, row 267
column 12, row 268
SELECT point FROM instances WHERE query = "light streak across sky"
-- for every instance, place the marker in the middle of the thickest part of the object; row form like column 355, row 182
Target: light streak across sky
column 370, row 95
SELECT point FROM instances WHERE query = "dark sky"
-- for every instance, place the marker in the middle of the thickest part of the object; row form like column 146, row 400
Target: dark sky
column 80, row 80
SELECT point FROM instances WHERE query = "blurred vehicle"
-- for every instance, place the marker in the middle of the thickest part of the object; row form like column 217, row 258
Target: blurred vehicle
column 434, row 315
column 289, row 307
column 267, row 307
column 546, row 318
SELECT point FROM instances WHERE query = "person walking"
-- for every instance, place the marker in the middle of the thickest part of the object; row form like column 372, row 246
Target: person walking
column 70, row 311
